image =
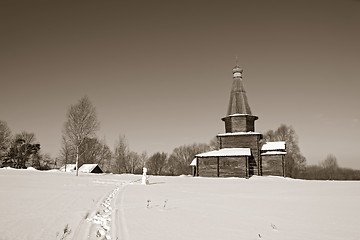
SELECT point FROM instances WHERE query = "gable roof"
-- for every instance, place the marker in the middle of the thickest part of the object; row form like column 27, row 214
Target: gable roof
column 227, row 152
column 88, row 168
column 272, row 146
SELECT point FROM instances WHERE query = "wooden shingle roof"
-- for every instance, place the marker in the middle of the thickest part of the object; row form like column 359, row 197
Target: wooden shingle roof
column 238, row 103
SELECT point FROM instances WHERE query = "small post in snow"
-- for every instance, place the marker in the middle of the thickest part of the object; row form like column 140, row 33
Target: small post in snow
column 144, row 179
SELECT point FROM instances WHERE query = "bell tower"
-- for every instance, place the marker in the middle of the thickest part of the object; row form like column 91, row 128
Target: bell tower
column 239, row 117
column 240, row 124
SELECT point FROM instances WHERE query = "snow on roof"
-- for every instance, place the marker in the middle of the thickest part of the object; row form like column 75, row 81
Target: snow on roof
column 193, row 163
column 238, row 114
column 87, row 168
column 273, row 153
column 238, row 133
column 270, row 146
column 226, row 152
column 69, row 167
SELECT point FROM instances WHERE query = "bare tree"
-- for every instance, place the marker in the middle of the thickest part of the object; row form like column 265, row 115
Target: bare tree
column 5, row 139
column 330, row 166
column 134, row 161
column 81, row 124
column 121, row 155
column 92, row 150
column 181, row 157
column 29, row 138
column 214, row 144
column 143, row 159
column 156, row 163
column 66, row 151
column 105, row 156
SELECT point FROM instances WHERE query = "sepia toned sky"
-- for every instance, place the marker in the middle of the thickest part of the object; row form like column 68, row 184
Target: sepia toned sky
column 160, row 72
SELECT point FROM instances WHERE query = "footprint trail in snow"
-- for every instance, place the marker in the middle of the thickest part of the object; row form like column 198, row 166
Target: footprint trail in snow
column 103, row 217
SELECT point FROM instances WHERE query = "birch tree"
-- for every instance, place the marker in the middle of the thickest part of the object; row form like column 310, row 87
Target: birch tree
column 81, row 123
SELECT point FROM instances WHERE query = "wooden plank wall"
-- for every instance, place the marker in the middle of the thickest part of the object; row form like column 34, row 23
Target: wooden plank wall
column 239, row 124
column 272, row 165
column 250, row 124
column 244, row 141
column 228, row 167
column 232, row 167
column 208, row 167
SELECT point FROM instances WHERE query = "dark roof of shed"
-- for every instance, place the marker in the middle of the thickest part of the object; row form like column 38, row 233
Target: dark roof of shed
column 88, row 168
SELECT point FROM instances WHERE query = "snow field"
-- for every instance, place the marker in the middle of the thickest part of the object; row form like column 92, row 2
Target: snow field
column 37, row 205
column 256, row 208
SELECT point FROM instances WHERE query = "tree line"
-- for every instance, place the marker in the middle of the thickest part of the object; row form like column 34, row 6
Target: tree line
column 80, row 145
column 328, row 169
column 295, row 162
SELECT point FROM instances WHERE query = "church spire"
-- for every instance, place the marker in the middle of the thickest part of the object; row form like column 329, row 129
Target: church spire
column 238, row 101
column 239, row 117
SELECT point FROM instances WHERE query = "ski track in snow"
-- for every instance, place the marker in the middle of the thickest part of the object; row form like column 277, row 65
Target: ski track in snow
column 120, row 220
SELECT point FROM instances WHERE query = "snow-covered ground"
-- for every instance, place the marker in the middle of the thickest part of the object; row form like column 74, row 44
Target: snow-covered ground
column 39, row 205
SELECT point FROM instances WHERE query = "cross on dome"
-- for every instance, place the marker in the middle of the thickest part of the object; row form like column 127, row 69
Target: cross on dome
column 237, row 70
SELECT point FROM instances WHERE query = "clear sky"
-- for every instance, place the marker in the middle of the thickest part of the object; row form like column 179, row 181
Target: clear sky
column 160, row 71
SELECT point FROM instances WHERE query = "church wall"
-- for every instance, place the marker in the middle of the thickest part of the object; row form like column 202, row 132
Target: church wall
column 228, row 125
column 239, row 124
column 207, row 167
column 244, row 141
column 232, row 167
column 250, row 124
column 272, row 165
column 228, row 167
